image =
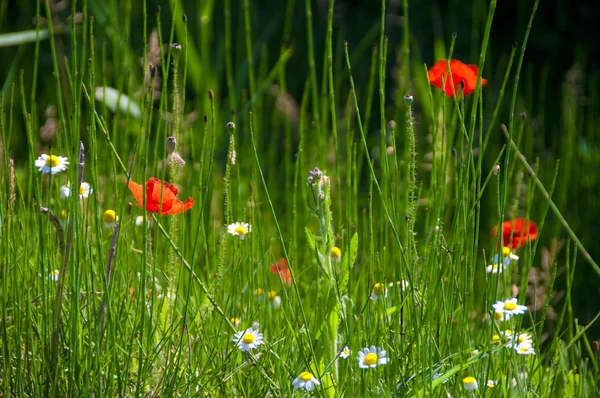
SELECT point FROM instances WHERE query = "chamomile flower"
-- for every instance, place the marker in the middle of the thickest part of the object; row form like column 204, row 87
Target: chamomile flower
column 235, row 321
column 345, row 353
column 84, row 190
column 469, row 383
column 371, row 357
column 305, row 381
column 378, row 291
column 510, row 306
column 495, row 268
column 139, row 221
column 53, row 275
column 507, row 257
column 524, row 349
column 248, row 339
column 336, row 253
column 239, row 229
column 492, row 383
column 274, row 299
column 523, row 339
column 51, row 164
column 110, row 218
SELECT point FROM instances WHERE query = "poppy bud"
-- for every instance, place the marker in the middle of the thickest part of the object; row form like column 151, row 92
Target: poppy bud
column 408, row 99
column 211, row 94
column 230, row 125
column 523, row 115
column 205, row 119
column 171, row 144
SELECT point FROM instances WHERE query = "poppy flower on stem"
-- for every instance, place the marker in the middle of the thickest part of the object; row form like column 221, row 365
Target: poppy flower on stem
column 155, row 188
column 515, row 233
column 280, row 268
column 460, row 75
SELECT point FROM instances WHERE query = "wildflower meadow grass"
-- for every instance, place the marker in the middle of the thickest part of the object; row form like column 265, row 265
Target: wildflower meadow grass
column 175, row 222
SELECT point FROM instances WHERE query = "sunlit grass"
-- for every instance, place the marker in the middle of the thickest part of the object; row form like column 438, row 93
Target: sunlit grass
column 311, row 241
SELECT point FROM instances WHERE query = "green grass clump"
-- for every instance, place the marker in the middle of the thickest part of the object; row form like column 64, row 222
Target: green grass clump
column 318, row 233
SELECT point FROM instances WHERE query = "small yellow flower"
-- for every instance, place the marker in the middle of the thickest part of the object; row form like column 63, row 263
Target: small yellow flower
column 469, row 383
column 336, row 253
column 235, row 321
column 110, row 218
column 378, row 291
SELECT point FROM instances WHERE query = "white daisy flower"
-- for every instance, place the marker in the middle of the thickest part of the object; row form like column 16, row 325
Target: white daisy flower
column 53, row 275
column 139, row 221
column 507, row 257
column 84, row 190
column 248, row 339
column 110, row 218
column 492, row 383
column 305, row 381
column 523, row 339
column 378, row 291
column 239, row 229
column 524, row 349
column 495, row 268
column 510, row 306
column 469, row 383
column 51, row 164
column 345, row 353
column 371, row 357
column 274, row 298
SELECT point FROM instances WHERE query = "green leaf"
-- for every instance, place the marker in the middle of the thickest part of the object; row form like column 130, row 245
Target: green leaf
column 26, row 36
column 116, row 100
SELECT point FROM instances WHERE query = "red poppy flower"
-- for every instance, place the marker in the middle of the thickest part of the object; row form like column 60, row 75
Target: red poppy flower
column 520, row 230
column 154, row 189
column 461, row 73
column 280, row 268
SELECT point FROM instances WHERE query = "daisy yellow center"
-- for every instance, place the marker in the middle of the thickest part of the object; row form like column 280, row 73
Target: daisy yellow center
column 336, row 252
column 524, row 349
column 240, row 230
column 306, row 376
column 109, row 215
column 495, row 267
column 522, row 338
column 495, row 337
column 498, row 315
column 248, row 338
column 506, row 252
column 469, row 380
column 235, row 321
column 81, row 190
column 510, row 305
column 259, row 292
column 52, row 161
column 272, row 294
column 370, row 359
column 378, row 289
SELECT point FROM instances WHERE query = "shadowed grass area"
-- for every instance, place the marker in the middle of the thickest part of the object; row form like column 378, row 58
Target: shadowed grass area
column 313, row 211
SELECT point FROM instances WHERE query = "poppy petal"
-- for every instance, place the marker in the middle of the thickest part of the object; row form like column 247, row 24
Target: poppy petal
column 136, row 190
column 515, row 233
